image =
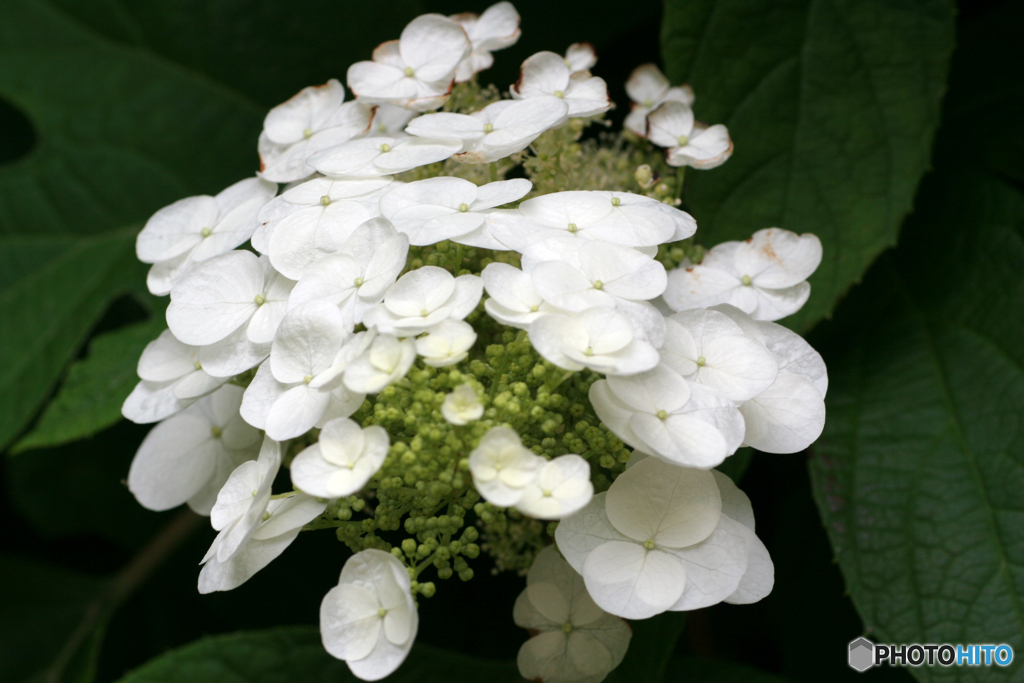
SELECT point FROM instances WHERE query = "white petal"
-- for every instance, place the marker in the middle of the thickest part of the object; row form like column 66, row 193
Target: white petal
column 706, row 149
column 446, row 125
column 703, row 286
column 735, row 503
column 794, row 354
column 777, row 258
column 176, row 229
column 287, row 515
column 787, row 417
column 260, row 396
column 668, row 122
column 632, row 582
column 349, row 624
column 578, row 535
column 307, row 341
column 673, row 506
column 542, row 74
column 774, row 304
column 233, row 355
column 433, row 45
column 714, row 567
column 758, row 580
column 240, row 567
column 296, row 411
column 215, row 298
column 173, row 463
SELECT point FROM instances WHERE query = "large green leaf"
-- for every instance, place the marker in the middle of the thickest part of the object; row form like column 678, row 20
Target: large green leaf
column 286, row 655
column 920, row 470
column 919, row 473
column 133, row 104
column 91, row 396
column 831, row 105
column 48, row 312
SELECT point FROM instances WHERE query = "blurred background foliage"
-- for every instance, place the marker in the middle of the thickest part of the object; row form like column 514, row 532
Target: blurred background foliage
column 874, row 125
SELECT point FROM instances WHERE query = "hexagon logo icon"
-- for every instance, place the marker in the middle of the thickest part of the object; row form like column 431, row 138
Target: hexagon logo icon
column 862, row 654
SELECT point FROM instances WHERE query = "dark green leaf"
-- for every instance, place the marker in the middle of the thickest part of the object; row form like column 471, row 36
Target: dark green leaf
column 831, row 105
column 42, row 606
column 919, row 473
column 293, row 654
column 48, row 313
column 694, row 670
column 90, row 398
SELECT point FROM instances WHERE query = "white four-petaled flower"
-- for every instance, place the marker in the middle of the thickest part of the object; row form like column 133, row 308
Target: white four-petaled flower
column 369, row 619
column 415, row 71
column 575, row 641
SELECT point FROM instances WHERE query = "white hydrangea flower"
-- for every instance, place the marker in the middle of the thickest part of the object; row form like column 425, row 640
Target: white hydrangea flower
column 447, row 344
column 657, row 540
column 187, row 458
column 502, row 467
column 194, row 229
column 369, row 619
column 648, row 88
column 423, row 298
column 585, row 215
column 547, row 73
column 172, row 378
column 598, row 338
column 298, row 388
column 357, row 276
column 341, row 462
column 598, row 274
column 498, row 130
column 788, row 416
column 318, row 199
column 495, row 29
column 689, row 143
column 462, row 406
column 299, row 238
column 514, row 300
column 580, row 57
column 254, row 529
column 314, row 119
column 658, row 411
column 386, row 361
column 442, row 208
column 575, row 641
column 765, row 276
column 708, row 347
column 417, row 70
column 233, row 291
column 381, row 156
column 562, row 488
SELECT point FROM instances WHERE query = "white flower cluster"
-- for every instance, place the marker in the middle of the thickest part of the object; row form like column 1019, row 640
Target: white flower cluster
column 292, row 335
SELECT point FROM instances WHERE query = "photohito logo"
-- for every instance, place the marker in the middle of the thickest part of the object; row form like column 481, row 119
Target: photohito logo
column 863, row 654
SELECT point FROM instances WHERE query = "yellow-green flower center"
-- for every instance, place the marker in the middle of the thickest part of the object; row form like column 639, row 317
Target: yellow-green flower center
column 325, row 200
column 746, row 280
column 463, row 207
column 260, row 299
column 206, row 232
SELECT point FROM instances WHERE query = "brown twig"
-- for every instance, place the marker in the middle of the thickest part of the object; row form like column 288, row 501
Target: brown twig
column 124, row 583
